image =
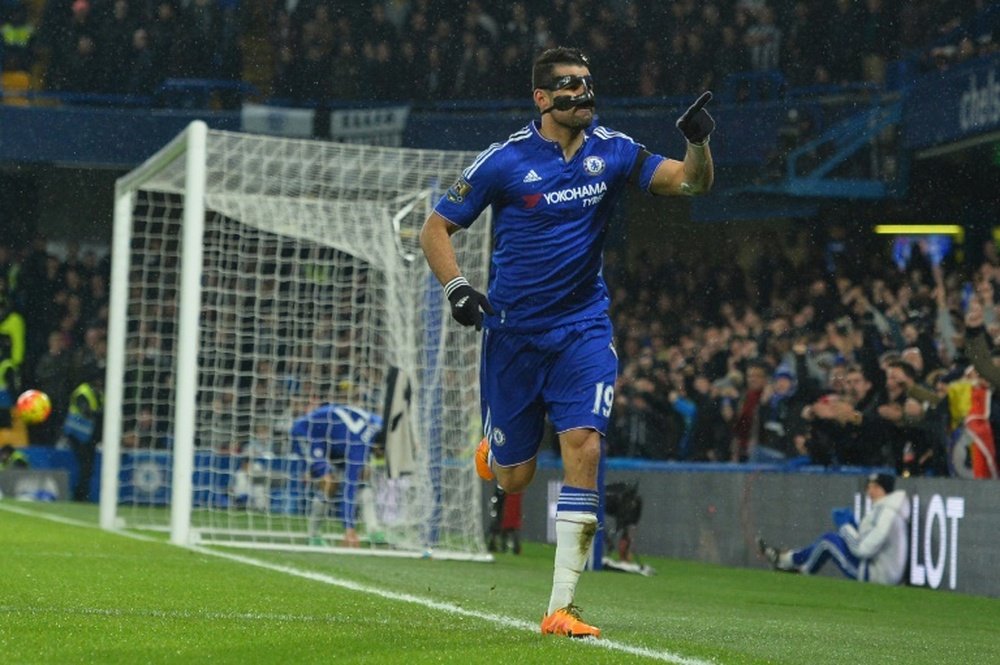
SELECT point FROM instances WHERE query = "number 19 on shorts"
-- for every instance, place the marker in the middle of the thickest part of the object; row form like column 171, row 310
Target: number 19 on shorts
column 604, row 397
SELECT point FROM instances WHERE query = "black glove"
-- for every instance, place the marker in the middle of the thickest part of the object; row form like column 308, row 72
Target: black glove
column 467, row 304
column 696, row 124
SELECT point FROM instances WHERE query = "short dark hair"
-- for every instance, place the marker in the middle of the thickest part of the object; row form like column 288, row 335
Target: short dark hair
column 883, row 480
column 541, row 71
column 906, row 368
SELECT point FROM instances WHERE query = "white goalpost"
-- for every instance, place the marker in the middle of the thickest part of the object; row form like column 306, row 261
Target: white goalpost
column 255, row 278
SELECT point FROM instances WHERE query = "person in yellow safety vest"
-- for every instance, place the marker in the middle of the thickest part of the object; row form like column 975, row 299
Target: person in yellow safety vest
column 81, row 429
column 12, row 340
column 17, row 34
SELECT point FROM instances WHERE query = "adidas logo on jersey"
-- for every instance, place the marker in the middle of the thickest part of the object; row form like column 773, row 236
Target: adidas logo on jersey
column 532, row 176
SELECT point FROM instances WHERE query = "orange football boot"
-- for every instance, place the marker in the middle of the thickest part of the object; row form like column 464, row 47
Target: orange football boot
column 483, row 461
column 567, row 622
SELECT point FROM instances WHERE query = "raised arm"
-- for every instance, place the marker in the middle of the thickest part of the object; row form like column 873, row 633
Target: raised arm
column 696, row 173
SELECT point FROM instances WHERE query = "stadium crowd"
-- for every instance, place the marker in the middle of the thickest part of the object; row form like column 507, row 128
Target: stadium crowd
column 817, row 351
column 826, row 349
column 312, row 50
column 63, row 304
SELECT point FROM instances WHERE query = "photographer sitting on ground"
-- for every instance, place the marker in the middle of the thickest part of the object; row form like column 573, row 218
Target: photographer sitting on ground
column 874, row 551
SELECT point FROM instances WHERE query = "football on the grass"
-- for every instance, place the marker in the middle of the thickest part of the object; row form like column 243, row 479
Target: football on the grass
column 34, row 406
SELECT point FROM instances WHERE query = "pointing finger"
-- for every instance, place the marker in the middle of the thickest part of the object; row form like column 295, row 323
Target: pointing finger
column 705, row 98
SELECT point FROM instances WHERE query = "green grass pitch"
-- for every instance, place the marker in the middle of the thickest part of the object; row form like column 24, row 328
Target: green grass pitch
column 71, row 593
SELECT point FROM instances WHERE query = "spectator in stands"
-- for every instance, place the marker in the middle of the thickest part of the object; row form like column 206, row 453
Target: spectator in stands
column 312, row 72
column 544, row 36
column 377, row 27
column 379, row 72
column 842, row 33
column 877, row 41
column 650, row 72
column 465, row 72
column 12, row 351
column 763, row 40
column 845, row 426
column 166, row 40
column 51, row 376
column 399, row 12
column 346, row 79
column 810, row 43
column 417, row 26
column 746, row 420
column 919, row 348
column 731, row 57
column 902, row 418
column 479, row 83
column 74, row 52
column 448, row 41
column 782, row 431
column 91, row 353
column 200, row 39
column 95, row 301
column 518, row 31
column 802, row 45
column 874, row 551
column 644, row 422
column 140, row 76
column 114, row 34
column 145, row 432
column 18, row 37
column 710, row 434
column 35, row 303
column 283, row 37
column 481, row 22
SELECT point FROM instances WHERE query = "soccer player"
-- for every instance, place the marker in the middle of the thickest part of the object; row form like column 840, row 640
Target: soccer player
column 547, row 348
column 874, row 551
column 339, row 440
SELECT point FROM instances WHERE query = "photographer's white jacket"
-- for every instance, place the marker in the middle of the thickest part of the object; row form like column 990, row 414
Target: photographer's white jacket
column 881, row 540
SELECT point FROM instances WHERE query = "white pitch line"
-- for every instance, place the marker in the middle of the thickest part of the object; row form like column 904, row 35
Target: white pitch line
column 168, row 614
column 450, row 608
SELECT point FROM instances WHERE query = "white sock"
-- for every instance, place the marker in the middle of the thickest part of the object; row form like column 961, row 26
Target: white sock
column 317, row 512
column 366, row 499
column 574, row 538
column 785, row 560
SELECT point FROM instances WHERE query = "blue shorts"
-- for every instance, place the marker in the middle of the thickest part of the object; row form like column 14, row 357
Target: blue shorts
column 568, row 373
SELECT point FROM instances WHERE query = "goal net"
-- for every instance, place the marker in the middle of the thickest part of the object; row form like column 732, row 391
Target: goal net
column 254, row 279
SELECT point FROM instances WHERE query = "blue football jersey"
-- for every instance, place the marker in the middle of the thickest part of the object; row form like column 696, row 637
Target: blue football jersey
column 550, row 219
column 341, row 435
column 330, row 429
